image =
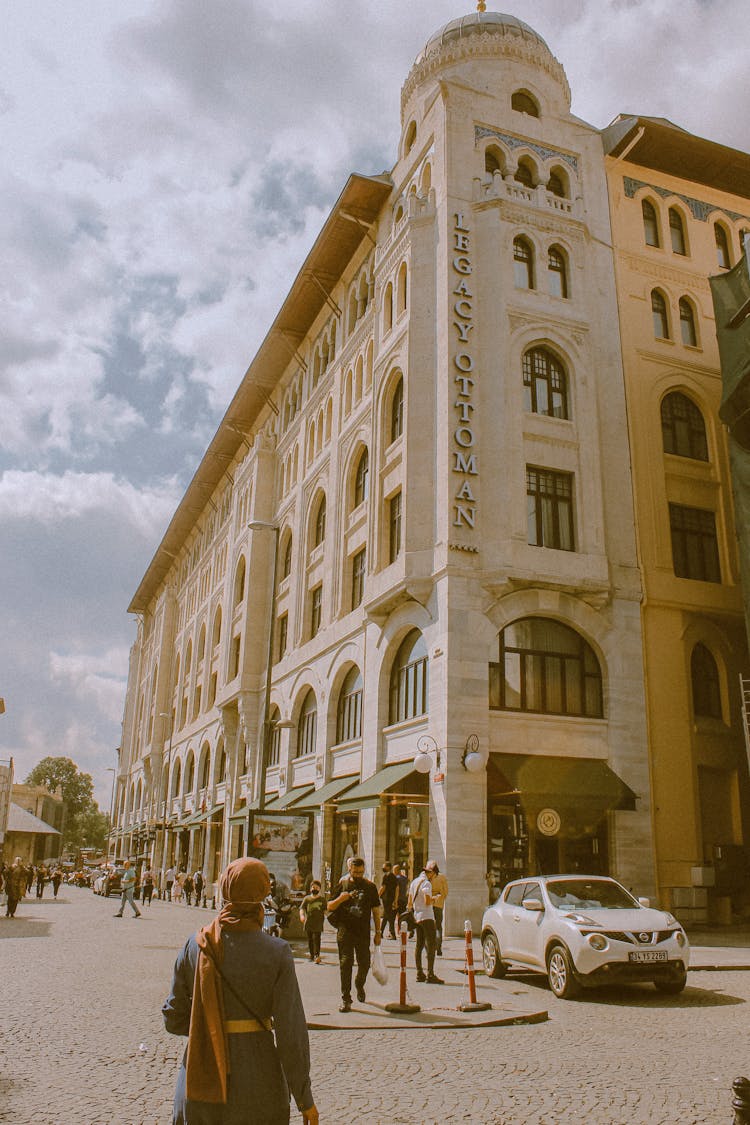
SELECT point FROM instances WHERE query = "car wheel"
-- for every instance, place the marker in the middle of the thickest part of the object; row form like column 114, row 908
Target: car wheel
column 671, row 986
column 560, row 973
column 493, row 963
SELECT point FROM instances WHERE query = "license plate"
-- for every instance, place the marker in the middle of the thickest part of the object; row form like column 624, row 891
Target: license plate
column 648, row 955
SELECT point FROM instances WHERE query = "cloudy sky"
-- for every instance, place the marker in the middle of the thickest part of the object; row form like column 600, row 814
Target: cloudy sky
column 167, row 164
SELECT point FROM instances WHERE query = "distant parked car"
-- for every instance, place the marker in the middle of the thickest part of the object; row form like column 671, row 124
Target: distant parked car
column 583, row 931
column 109, row 882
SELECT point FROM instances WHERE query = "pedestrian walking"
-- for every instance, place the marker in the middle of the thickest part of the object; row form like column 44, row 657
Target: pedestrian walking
column 358, row 899
column 198, row 883
column 420, row 901
column 41, row 879
column 56, row 881
column 15, row 886
column 177, row 887
column 169, row 875
column 312, row 912
column 233, row 987
column 402, row 894
column 127, row 886
column 388, row 892
column 147, row 885
column 187, row 889
column 439, row 895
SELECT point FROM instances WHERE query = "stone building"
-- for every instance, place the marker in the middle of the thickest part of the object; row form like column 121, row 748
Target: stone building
column 398, row 611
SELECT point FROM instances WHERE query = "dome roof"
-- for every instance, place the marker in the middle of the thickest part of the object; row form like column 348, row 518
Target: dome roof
column 482, row 23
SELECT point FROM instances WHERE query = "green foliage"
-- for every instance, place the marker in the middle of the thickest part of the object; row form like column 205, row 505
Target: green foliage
column 82, row 816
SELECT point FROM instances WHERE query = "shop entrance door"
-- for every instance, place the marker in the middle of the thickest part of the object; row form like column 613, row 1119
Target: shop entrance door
column 547, row 855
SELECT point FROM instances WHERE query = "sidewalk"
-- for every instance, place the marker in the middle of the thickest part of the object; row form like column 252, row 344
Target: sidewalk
column 726, row 947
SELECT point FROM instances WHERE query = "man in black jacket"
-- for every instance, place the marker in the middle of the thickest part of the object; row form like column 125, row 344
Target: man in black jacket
column 358, row 899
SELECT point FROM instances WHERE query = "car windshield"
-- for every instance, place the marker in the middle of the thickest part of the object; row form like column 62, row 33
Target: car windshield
column 589, row 894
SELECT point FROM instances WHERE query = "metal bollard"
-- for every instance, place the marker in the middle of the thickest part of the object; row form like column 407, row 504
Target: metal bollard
column 402, row 1005
column 474, row 1005
column 741, row 1101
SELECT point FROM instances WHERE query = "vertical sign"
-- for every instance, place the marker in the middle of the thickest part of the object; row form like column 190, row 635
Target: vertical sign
column 465, row 463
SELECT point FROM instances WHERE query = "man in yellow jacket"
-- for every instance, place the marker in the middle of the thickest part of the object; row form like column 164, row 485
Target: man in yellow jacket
column 439, row 895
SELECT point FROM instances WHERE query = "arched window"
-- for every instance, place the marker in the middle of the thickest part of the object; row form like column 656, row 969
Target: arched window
column 545, row 667
column 176, row 779
column 306, row 727
column 221, row 774
column 409, row 679
column 545, row 384
column 492, row 161
column 557, row 272
column 525, row 174
column 677, row 232
column 361, row 479
column 659, row 314
column 202, row 643
column 205, row 769
column 410, row 138
column 683, row 428
column 650, row 224
column 704, row 675
column 286, row 557
column 523, row 264
column 397, row 410
column 274, row 741
column 722, row 247
column 216, row 634
column 401, row 290
column 189, row 773
column 425, row 180
column 556, row 185
column 349, row 713
column 239, row 582
column 523, row 102
column 687, row 323
column 319, row 528
column 388, row 308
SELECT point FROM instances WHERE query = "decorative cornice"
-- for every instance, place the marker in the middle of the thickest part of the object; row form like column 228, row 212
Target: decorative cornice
column 545, row 151
column 698, row 208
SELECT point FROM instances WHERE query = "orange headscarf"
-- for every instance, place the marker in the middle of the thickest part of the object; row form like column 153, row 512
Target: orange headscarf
column 244, row 885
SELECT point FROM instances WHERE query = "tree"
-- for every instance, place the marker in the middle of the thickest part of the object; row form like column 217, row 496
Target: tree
column 77, row 793
column 88, row 829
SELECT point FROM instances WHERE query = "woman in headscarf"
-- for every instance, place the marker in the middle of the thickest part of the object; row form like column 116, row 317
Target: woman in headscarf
column 234, row 989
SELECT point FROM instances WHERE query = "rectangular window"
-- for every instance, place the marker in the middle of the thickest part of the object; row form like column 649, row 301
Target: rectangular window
column 550, row 509
column 358, row 578
column 234, row 658
column 283, row 631
column 274, row 749
column 316, row 609
column 307, row 731
column 695, row 550
column 394, row 524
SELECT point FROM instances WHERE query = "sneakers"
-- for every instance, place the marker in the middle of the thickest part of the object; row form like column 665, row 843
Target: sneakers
column 117, row 915
column 432, row 979
column 318, row 961
column 361, row 995
column 421, row 978
column 138, row 915
column 346, row 1006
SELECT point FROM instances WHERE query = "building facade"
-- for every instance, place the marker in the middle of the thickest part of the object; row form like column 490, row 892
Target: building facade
column 399, row 609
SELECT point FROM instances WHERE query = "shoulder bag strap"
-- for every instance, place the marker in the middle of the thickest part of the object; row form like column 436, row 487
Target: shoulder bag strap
column 231, row 988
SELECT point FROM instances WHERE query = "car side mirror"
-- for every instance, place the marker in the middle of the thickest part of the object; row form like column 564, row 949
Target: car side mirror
column 644, row 901
column 532, row 904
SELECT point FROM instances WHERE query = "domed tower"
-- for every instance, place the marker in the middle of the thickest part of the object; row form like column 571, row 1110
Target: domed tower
column 519, row 504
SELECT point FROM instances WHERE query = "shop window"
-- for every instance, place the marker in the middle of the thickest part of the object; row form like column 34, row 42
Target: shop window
column 409, row 676
column 687, row 324
column 683, row 427
column 545, row 667
column 358, row 577
column 650, row 224
column 306, row 728
column 545, row 384
column 349, row 712
column 677, row 231
column 550, row 509
column 659, row 315
column 557, row 272
column 394, row 527
column 523, row 264
column 695, row 548
column 704, row 674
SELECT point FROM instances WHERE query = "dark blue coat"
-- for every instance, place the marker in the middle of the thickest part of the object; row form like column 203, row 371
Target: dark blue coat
column 261, row 1071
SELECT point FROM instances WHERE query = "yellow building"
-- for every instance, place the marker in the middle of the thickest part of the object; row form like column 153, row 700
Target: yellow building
column 679, row 206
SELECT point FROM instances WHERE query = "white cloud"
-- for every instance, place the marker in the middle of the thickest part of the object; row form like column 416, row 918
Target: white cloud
column 96, row 679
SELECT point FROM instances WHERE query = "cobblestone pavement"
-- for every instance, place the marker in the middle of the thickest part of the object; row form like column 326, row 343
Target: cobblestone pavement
column 81, row 992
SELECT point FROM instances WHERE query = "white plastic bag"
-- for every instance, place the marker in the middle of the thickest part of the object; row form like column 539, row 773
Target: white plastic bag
column 379, row 970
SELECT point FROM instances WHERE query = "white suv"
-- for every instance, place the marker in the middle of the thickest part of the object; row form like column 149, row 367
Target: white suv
column 583, row 930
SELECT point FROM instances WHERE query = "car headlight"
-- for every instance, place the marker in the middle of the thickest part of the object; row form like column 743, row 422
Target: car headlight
column 597, row 941
column 671, row 920
column 680, row 938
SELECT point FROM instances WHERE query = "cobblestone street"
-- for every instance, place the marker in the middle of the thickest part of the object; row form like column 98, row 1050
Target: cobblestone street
column 82, row 1043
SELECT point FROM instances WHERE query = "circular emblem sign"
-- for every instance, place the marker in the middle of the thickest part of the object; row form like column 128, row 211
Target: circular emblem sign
column 548, row 822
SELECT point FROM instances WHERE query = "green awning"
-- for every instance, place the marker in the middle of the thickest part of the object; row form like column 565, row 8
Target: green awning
column 367, row 794
column 314, row 801
column 547, row 780
column 205, row 815
column 240, row 817
column 288, row 798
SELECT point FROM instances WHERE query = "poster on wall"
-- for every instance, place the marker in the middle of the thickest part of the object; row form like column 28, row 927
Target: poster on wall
column 284, row 842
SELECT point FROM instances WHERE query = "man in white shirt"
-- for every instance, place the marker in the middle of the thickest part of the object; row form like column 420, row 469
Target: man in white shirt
column 420, row 901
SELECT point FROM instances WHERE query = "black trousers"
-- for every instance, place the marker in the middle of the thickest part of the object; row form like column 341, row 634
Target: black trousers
column 389, row 919
column 146, row 892
column 313, row 943
column 426, row 940
column 12, row 905
column 351, row 946
column 438, row 912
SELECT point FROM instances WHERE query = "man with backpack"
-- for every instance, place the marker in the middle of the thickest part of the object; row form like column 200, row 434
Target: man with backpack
column 354, row 902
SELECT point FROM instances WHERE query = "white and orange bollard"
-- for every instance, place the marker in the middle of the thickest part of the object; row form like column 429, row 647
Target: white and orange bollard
column 474, row 1005
column 402, row 1005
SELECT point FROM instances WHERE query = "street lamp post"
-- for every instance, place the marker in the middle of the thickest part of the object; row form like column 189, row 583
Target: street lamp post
column 263, row 525
column 113, row 771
